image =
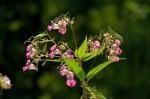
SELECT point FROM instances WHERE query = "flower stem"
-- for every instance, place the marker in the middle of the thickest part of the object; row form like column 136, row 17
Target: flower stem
column 84, row 85
column 74, row 37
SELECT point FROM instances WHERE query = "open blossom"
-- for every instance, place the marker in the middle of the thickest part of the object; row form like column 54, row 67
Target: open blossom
column 5, row 82
column 69, row 54
column 54, row 50
column 29, row 66
column 30, row 51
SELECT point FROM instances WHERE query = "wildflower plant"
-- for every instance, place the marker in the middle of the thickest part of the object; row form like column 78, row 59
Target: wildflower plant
column 43, row 48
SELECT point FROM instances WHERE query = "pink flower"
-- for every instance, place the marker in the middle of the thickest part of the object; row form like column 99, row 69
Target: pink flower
column 118, row 42
column 29, row 47
column 70, row 75
column 62, row 30
column 49, row 27
column 51, row 55
column 96, row 44
column 63, row 70
column 71, row 83
column 31, row 51
column 114, row 58
column 29, row 66
column 69, row 54
column 118, row 51
column 54, row 47
column 60, row 25
column 54, row 50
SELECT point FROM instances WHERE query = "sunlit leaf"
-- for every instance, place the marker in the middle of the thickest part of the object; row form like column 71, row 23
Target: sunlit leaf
column 97, row 69
column 82, row 49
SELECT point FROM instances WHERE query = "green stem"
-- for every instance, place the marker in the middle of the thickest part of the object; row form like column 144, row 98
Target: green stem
column 74, row 37
column 84, row 85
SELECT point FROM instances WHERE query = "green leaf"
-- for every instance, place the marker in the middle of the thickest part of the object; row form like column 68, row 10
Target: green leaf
column 75, row 67
column 82, row 49
column 97, row 69
column 93, row 54
column 94, row 94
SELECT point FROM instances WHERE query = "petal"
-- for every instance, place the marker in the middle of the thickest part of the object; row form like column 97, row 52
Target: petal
column 62, row 30
column 32, row 67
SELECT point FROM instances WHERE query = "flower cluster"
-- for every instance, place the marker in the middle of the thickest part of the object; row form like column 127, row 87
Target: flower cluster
column 113, row 47
column 114, row 51
column 57, row 52
column 64, row 71
column 5, row 82
column 60, row 24
column 30, row 53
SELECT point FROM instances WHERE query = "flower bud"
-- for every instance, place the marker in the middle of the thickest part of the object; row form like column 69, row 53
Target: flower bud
column 118, row 51
column 71, row 83
column 49, row 27
column 29, row 47
column 115, row 58
column 96, row 44
column 70, row 75
column 63, row 70
column 118, row 42
column 53, row 47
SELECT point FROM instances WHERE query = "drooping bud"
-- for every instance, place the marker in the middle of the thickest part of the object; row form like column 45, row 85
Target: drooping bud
column 118, row 51
column 71, row 83
column 63, row 70
column 96, row 44
column 118, row 42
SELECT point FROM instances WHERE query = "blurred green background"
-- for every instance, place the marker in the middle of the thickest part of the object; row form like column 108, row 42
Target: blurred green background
column 128, row 79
